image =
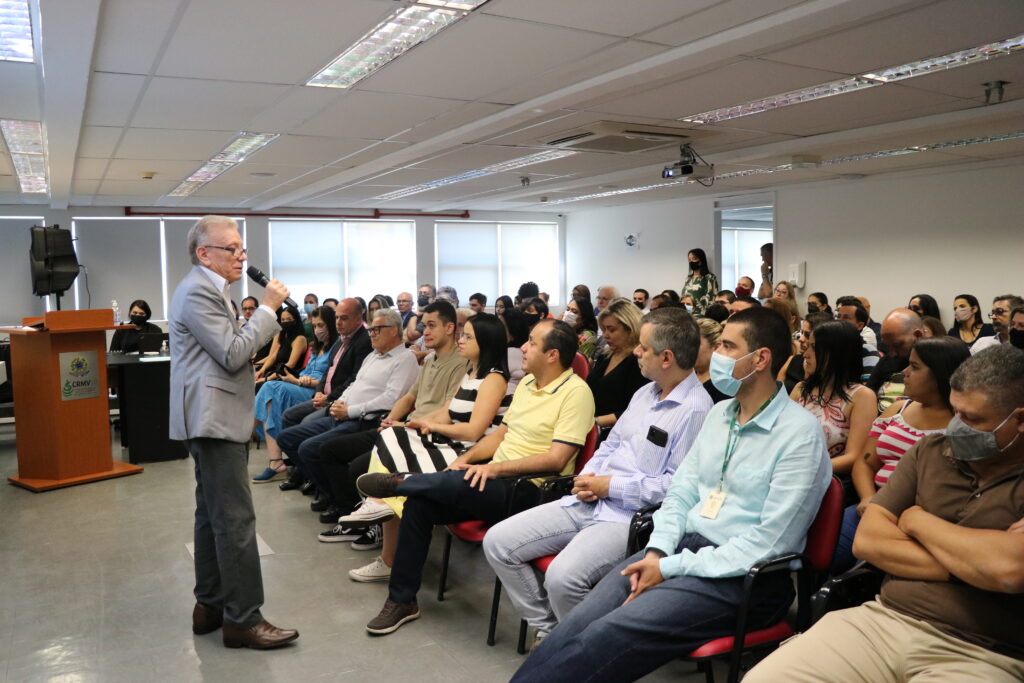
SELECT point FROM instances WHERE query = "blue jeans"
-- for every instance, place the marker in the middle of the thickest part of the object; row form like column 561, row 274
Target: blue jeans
column 843, row 558
column 604, row 640
column 302, row 444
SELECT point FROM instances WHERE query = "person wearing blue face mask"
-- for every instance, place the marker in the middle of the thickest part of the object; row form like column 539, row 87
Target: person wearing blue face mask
column 747, row 490
column 309, row 303
column 947, row 531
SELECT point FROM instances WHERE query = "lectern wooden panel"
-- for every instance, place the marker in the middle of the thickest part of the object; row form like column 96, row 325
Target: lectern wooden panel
column 60, row 401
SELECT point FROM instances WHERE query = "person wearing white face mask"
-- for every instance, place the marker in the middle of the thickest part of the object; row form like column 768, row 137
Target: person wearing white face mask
column 947, row 531
column 747, row 490
column 579, row 315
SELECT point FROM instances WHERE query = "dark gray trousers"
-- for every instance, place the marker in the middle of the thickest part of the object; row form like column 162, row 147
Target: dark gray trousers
column 226, row 557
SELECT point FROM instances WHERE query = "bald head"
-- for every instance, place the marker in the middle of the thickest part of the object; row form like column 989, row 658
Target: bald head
column 349, row 316
column 900, row 329
column 865, row 303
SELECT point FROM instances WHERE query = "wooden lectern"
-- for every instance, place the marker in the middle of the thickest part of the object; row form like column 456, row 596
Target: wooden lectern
column 59, row 374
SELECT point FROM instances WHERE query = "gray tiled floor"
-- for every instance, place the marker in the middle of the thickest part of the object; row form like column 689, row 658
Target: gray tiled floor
column 95, row 585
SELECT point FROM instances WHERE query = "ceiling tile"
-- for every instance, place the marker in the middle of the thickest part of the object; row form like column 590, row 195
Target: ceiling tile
column 374, row 115
column 130, row 34
column 137, row 188
column 242, row 173
column 90, row 169
column 111, row 98
column 85, row 187
column 309, row 36
column 450, row 120
column 203, row 105
column 936, row 29
column 453, row 64
column 603, row 16
column 294, row 109
column 98, row 141
column 161, row 143
column 306, row 150
column 20, row 92
column 166, row 171
column 969, row 81
column 717, row 17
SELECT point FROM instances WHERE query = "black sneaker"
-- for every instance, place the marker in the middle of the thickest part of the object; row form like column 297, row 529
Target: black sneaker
column 372, row 539
column 379, row 484
column 308, row 489
column 320, row 504
column 339, row 534
column 392, row 616
column 330, row 516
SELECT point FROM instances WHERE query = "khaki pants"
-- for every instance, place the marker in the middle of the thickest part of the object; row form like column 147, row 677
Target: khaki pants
column 874, row 644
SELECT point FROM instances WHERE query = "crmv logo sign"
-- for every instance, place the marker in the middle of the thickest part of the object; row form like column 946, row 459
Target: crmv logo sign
column 78, row 375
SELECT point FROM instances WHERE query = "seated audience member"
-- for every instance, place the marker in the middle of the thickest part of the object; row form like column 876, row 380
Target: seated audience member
column 658, row 300
column 448, row 293
column 900, row 329
column 309, row 302
column 345, row 457
column 478, row 302
column 743, row 303
column 432, row 442
column 924, row 304
column 744, row 287
column 933, row 327
column 817, row 302
column 547, row 423
column 641, row 298
column 787, row 310
column 331, row 303
column 873, row 325
column 946, row 531
column 924, row 410
column 589, row 528
column 687, row 301
column 1016, row 331
column 672, row 295
column 425, row 295
column 534, row 310
column 748, row 490
column 968, row 325
column 785, row 291
column 385, row 376
column 717, row 312
column 288, row 350
column 127, row 341
column 793, row 371
column 832, row 392
column 274, row 397
column 1002, row 306
column 378, row 302
column 579, row 315
column 616, row 376
column 581, row 291
column 502, row 304
column 701, row 284
column 404, row 305
column 518, row 332
column 544, row 296
column 710, row 332
column 725, row 297
column 249, row 306
column 527, row 292
column 850, row 309
column 605, row 295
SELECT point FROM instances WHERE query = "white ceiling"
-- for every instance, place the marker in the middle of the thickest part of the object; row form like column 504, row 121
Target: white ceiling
column 139, row 86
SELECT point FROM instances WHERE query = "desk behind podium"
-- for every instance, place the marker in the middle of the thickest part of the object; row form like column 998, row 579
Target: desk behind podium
column 143, row 391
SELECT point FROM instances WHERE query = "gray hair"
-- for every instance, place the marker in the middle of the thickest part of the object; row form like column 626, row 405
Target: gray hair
column 1012, row 300
column 675, row 330
column 448, row 293
column 200, row 231
column 388, row 317
column 997, row 372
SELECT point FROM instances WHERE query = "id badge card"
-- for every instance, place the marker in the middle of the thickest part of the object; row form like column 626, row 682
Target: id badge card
column 713, row 504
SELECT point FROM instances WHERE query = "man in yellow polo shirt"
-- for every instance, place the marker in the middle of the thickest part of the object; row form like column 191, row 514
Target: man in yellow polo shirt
column 551, row 414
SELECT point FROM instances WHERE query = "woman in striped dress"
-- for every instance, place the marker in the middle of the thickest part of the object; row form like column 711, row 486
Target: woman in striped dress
column 432, row 442
column 925, row 410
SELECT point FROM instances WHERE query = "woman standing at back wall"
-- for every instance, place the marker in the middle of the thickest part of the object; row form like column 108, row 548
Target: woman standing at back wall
column 702, row 285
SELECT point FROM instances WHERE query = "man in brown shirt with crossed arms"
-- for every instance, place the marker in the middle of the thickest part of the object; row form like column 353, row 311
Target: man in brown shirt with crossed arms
column 948, row 531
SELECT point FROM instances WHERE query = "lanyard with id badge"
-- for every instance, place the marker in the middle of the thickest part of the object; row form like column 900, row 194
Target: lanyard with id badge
column 716, row 499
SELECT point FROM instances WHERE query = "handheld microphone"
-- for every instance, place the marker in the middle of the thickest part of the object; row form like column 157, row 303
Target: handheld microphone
column 260, row 278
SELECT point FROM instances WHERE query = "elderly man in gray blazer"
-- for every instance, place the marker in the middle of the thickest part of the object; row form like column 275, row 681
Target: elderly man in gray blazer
column 212, row 412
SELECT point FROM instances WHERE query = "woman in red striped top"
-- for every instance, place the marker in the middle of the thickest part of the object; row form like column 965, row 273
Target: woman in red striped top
column 924, row 410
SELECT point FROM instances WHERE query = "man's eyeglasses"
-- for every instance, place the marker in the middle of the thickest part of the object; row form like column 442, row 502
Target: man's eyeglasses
column 249, row 309
column 234, row 251
column 998, row 311
column 377, row 328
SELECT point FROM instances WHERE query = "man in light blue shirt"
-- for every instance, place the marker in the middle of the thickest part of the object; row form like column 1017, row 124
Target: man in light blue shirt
column 748, row 490
column 588, row 529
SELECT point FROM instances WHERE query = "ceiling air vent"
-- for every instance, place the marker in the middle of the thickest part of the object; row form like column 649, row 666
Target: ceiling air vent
column 621, row 138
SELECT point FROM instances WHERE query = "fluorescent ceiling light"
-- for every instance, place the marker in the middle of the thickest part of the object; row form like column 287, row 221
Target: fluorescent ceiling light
column 15, row 32
column 510, row 165
column 898, row 151
column 867, row 80
column 404, row 29
column 24, row 140
column 236, row 151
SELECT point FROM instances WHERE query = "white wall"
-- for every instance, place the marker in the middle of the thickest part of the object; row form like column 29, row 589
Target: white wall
column 940, row 232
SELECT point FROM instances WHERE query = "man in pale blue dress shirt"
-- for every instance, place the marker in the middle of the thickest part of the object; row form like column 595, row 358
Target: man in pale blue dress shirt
column 633, row 467
column 747, row 491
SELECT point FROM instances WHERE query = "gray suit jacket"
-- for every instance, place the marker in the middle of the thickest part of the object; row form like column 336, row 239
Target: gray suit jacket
column 211, row 377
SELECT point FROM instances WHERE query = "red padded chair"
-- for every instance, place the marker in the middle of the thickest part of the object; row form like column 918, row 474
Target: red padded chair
column 541, row 563
column 814, row 562
column 581, row 366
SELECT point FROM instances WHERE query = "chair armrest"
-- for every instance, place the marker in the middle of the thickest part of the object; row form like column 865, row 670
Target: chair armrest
column 849, row 589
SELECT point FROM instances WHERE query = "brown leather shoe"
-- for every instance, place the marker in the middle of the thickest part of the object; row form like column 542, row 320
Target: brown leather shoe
column 206, row 619
column 262, row 636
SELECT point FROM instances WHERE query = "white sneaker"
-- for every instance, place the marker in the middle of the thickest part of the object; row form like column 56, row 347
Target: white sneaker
column 370, row 512
column 375, row 571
